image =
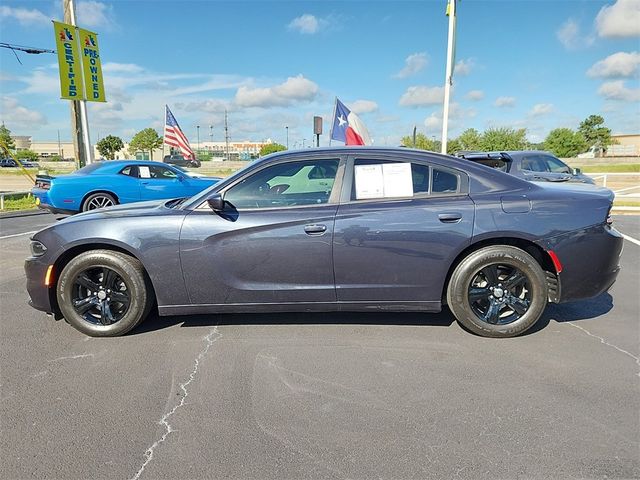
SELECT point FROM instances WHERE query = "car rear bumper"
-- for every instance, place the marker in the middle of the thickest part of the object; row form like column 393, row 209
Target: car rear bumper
column 590, row 261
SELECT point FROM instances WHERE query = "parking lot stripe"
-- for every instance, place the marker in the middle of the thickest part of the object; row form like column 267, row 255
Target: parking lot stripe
column 631, row 239
column 17, row 235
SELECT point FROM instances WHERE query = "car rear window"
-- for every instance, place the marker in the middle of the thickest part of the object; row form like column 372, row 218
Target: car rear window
column 89, row 169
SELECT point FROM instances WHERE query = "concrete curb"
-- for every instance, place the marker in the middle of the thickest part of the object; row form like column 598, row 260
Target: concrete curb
column 23, row 213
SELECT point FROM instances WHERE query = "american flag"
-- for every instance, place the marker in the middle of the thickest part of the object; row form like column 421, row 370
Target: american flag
column 173, row 135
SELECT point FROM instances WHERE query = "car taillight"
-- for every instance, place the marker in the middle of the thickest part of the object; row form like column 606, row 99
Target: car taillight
column 609, row 219
column 43, row 185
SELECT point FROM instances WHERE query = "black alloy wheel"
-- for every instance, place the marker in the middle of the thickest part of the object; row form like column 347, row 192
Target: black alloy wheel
column 498, row 291
column 499, row 294
column 104, row 293
column 100, row 296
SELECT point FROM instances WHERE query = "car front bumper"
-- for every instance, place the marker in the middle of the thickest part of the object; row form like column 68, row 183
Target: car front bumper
column 40, row 296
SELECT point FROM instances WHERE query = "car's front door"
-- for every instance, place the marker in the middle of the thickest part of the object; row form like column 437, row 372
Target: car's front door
column 272, row 242
column 396, row 246
column 158, row 181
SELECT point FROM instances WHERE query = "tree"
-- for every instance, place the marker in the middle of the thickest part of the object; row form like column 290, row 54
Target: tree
column 271, row 148
column 565, row 143
column 145, row 140
column 29, row 155
column 504, row 139
column 422, row 142
column 453, row 146
column 109, row 145
column 5, row 138
column 594, row 132
column 470, row 139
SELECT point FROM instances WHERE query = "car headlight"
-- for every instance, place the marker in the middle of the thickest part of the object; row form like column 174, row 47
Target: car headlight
column 37, row 248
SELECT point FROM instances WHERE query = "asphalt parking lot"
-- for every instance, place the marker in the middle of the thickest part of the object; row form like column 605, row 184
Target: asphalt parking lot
column 320, row 396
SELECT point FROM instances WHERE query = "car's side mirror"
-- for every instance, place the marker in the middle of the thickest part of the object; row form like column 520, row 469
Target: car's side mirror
column 215, row 202
column 576, row 171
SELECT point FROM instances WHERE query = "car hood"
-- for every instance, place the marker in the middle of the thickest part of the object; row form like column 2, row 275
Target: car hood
column 137, row 209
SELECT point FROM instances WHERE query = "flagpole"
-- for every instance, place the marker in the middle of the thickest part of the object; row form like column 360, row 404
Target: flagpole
column 451, row 10
column 333, row 119
column 164, row 128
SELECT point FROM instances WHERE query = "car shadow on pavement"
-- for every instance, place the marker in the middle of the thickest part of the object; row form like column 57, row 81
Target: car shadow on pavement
column 574, row 311
column 156, row 322
column 567, row 312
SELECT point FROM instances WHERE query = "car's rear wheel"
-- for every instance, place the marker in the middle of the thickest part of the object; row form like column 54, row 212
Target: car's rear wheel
column 98, row 200
column 104, row 293
column 498, row 291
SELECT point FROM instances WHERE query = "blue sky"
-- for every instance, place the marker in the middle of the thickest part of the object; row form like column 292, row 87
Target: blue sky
column 522, row 64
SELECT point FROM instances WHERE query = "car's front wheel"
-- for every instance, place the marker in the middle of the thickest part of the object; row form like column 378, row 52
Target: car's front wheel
column 98, row 200
column 498, row 291
column 104, row 293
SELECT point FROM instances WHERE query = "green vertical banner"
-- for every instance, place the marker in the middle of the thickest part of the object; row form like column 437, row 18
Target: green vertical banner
column 69, row 61
column 93, row 83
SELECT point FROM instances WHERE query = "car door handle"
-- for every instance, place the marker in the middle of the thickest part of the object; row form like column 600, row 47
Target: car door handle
column 315, row 229
column 450, row 217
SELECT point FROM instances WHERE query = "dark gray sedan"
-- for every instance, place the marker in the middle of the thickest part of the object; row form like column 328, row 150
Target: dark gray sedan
column 531, row 165
column 336, row 229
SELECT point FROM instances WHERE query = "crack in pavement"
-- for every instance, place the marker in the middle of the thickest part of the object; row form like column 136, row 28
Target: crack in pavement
column 164, row 421
column 602, row 340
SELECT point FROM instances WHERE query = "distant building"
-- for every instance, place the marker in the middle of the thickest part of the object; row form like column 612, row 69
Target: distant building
column 624, row 145
column 245, row 150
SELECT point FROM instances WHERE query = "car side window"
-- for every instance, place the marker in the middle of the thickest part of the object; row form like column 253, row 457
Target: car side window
column 156, row 172
column 420, row 177
column 533, row 163
column 554, row 165
column 288, row 184
column 130, row 171
column 444, row 181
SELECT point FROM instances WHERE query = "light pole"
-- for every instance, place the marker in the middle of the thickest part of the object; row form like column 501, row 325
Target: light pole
column 303, row 142
column 287, row 129
column 198, row 135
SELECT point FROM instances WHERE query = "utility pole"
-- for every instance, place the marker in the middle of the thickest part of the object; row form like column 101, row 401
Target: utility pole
column 226, row 134
column 79, row 118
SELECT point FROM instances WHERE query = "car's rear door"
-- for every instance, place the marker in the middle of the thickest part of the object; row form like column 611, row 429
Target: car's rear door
column 396, row 246
column 271, row 244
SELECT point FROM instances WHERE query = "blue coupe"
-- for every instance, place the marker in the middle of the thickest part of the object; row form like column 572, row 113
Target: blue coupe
column 109, row 183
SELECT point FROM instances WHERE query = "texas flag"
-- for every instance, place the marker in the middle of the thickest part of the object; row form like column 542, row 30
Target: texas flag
column 348, row 128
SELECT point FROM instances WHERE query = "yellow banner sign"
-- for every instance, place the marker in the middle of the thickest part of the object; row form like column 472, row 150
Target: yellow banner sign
column 93, row 84
column 71, row 86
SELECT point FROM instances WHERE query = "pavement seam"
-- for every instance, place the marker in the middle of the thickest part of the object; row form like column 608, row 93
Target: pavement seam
column 602, row 340
column 212, row 337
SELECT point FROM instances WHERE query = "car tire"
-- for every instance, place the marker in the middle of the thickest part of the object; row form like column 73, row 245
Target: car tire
column 98, row 200
column 497, row 291
column 104, row 293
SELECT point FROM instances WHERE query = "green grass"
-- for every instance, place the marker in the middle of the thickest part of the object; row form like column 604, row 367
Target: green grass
column 23, row 203
column 612, row 168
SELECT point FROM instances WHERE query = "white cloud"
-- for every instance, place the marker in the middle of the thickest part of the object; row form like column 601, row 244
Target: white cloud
column 571, row 37
column 93, row 14
column 307, row 24
column 475, row 95
column 293, row 90
column 502, row 102
column 14, row 114
column 622, row 19
column 25, row 16
column 422, row 95
column 413, row 64
column 464, row 67
column 363, row 106
column 541, row 109
column 621, row 64
column 617, row 90
column 112, row 67
column 456, row 115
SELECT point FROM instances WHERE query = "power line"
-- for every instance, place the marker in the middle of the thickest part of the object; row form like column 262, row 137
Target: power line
column 23, row 48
